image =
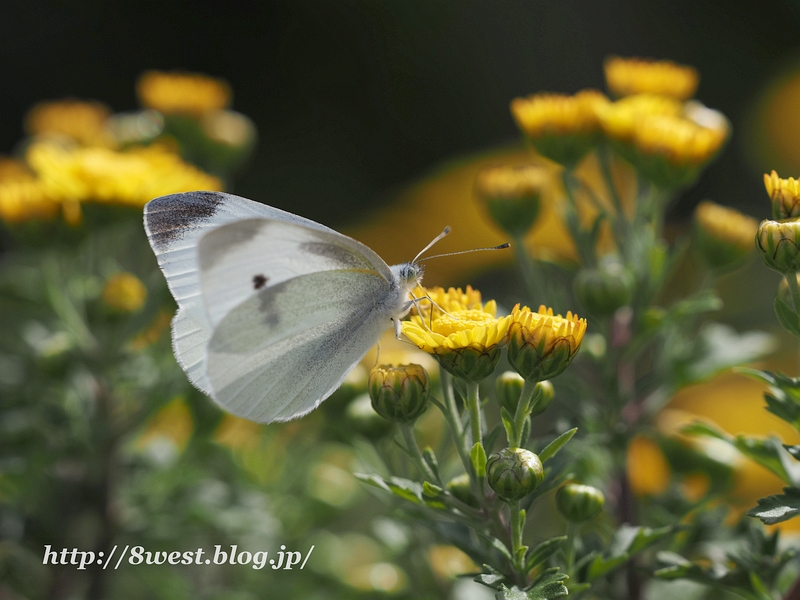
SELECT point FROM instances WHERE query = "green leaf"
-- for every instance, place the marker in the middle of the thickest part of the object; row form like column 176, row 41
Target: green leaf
column 408, row 490
column 553, row 447
column 722, row 348
column 500, row 547
column 787, row 317
column 508, row 423
column 704, row 302
column 769, row 453
column 504, row 593
column 430, row 458
column 490, row 580
column 373, row 480
column 601, row 566
column 778, row 508
column 544, row 551
column 646, row 537
column 548, row 585
column 430, row 490
column 478, row 458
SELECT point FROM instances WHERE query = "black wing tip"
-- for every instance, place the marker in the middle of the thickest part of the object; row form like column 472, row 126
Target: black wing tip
column 167, row 217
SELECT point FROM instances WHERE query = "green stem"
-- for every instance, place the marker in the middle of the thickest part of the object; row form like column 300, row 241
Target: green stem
column 474, row 407
column 453, row 418
column 416, row 455
column 794, row 293
column 572, row 530
column 620, row 221
column 516, row 535
column 522, row 412
column 530, row 275
column 585, row 253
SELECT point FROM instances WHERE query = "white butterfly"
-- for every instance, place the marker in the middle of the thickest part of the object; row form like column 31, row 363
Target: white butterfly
column 274, row 310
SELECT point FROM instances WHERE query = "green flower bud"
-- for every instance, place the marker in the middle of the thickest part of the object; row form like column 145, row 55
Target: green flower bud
column 362, row 418
column 399, row 393
column 514, row 473
column 470, row 364
column 512, row 195
column 545, row 393
column 779, row 245
column 508, row 388
column 461, row 489
column 579, row 502
column 604, row 289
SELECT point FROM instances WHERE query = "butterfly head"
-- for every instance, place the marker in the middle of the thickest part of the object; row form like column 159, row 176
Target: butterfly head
column 409, row 275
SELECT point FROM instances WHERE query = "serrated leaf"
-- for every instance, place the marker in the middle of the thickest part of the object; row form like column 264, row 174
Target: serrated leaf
column 544, row 551
column 777, row 508
column 787, row 317
column 504, row 593
column 548, row 585
column 553, row 447
column 477, row 457
column 490, row 580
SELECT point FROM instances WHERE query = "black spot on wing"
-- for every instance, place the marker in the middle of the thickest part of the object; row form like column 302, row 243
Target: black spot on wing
column 169, row 217
column 339, row 256
column 259, row 281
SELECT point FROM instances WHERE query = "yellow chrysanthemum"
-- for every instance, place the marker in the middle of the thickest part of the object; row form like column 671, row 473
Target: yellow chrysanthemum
column 785, row 196
column 618, row 119
column 726, row 225
column 84, row 122
column 648, row 470
column 182, row 93
column 562, row 128
column 512, row 195
column 541, row 344
column 628, row 76
column 124, row 292
column 680, row 140
column 22, row 196
column 131, row 177
column 173, row 423
column 466, row 339
column 437, row 299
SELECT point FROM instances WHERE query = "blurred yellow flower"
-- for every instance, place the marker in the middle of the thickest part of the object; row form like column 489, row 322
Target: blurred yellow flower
column 448, row 562
column 153, row 332
column 561, row 127
column 132, row 177
column 123, row 292
column 83, row 122
column 541, row 344
column 237, row 434
column 618, row 119
column 648, row 470
column 679, row 140
column 173, row 423
column 628, row 76
column 22, row 196
column 182, row 93
column 724, row 236
column 512, row 195
column 785, row 196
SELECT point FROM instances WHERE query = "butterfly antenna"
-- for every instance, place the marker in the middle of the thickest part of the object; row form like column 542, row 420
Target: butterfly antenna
column 433, row 241
column 500, row 247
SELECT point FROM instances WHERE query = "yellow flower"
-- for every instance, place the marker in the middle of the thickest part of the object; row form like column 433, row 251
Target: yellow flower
column 22, row 196
column 628, row 76
column 84, row 122
column 512, row 195
column 785, row 196
column 541, row 345
column 724, row 236
column 182, row 93
column 124, row 292
column 173, row 423
column 237, row 433
column 562, row 128
column 131, row 177
column 466, row 339
column 648, row 470
column 678, row 139
column 618, row 119
column 448, row 562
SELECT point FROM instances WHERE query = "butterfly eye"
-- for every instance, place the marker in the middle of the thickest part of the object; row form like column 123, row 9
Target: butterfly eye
column 259, row 281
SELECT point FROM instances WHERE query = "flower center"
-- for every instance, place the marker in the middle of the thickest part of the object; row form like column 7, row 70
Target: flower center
column 461, row 320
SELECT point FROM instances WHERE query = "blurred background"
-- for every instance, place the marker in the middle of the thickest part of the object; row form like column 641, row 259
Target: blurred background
column 369, row 114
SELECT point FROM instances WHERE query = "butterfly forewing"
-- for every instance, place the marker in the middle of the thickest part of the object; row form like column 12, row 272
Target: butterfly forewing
column 240, row 259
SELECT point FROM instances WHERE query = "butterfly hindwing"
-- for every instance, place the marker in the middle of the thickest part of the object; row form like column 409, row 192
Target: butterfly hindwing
column 277, row 355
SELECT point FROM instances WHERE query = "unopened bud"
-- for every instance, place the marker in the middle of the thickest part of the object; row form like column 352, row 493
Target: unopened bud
column 514, row 473
column 399, row 393
column 579, row 502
